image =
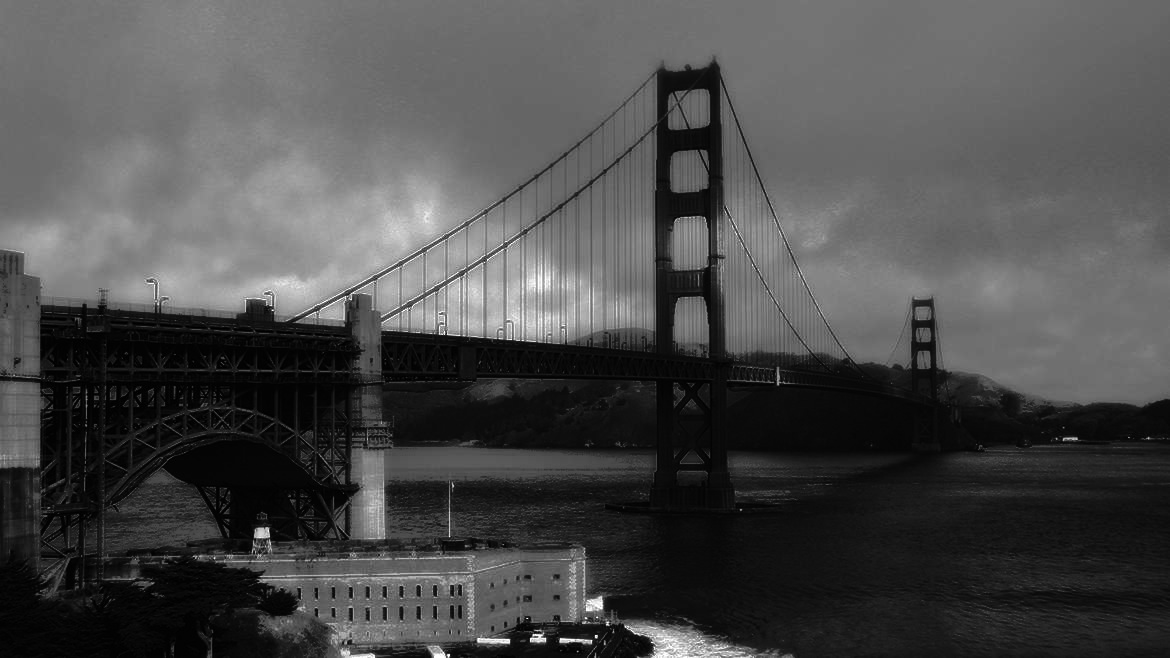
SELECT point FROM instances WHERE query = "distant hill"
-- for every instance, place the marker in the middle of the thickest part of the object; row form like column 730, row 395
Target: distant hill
column 975, row 390
column 584, row 413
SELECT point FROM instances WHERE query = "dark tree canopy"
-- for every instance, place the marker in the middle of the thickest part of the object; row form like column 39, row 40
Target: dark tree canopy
column 279, row 603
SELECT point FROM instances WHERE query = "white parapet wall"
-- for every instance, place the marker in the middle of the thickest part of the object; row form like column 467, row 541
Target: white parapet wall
column 20, row 409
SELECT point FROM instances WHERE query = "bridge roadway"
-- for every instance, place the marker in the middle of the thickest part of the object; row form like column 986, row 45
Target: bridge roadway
column 222, row 349
column 188, row 389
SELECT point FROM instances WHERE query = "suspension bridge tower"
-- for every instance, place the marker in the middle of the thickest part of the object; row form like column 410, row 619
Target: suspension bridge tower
column 924, row 372
column 692, row 426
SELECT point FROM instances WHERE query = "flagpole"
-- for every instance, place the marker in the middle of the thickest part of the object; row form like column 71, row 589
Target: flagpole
column 450, row 488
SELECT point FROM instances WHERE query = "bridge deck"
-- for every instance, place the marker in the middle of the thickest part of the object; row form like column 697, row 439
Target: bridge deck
column 189, row 348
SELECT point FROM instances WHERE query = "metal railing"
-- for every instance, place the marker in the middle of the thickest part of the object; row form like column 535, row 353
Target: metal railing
column 186, row 311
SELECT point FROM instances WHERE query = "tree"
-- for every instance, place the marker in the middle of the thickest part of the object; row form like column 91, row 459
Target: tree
column 279, row 603
column 19, row 604
column 192, row 592
column 31, row 626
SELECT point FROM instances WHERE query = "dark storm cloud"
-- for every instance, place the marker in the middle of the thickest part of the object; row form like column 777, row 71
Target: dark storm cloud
column 1010, row 157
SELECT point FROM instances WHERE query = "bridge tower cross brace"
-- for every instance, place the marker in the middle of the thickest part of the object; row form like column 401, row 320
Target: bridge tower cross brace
column 692, row 427
column 924, row 372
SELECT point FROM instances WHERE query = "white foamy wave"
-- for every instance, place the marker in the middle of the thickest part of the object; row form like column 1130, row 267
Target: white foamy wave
column 681, row 641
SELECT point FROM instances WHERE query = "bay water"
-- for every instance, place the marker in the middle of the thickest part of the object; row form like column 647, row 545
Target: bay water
column 1050, row 551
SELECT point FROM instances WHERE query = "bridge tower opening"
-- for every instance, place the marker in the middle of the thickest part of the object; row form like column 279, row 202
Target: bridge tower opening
column 691, row 415
column 924, row 372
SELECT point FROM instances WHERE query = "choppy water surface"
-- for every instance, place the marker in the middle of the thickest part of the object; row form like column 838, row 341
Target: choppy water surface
column 1059, row 550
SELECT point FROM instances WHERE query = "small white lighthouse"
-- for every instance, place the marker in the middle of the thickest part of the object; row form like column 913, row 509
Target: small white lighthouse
column 261, row 536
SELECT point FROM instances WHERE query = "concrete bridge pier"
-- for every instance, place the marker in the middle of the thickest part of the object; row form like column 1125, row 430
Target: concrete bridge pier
column 20, row 411
column 367, row 509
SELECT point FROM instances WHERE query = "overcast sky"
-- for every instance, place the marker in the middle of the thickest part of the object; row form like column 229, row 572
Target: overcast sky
column 1010, row 158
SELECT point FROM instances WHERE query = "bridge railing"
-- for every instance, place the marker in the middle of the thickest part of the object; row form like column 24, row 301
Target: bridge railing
column 187, row 311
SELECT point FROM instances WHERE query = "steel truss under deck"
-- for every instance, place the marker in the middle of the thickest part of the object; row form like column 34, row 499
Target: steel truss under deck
column 125, row 393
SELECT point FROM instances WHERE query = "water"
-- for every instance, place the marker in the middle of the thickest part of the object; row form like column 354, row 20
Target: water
column 1061, row 550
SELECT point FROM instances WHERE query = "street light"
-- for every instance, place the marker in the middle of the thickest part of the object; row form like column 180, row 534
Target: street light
column 271, row 295
column 151, row 281
column 441, row 323
column 162, row 300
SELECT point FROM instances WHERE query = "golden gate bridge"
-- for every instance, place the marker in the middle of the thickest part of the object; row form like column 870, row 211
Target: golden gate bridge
column 649, row 250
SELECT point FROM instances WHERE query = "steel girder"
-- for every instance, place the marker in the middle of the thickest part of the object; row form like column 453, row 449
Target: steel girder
column 293, row 514
column 168, row 384
column 408, row 356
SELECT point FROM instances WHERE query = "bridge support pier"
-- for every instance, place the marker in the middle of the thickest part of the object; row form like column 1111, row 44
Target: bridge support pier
column 367, row 511
column 20, row 411
column 691, row 464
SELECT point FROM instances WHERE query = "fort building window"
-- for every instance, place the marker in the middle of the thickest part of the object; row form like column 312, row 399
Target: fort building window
column 556, row 617
column 493, row 606
column 316, row 593
column 556, row 597
column 451, row 613
column 367, row 614
column 434, row 612
column 556, row 576
column 367, row 591
column 401, row 613
column 298, row 592
column 333, row 613
column 435, row 591
column 333, row 592
column 351, row 592
column 460, row 590
column 350, row 614
column 418, row 612
column 384, row 590
column 459, row 611
column 316, row 612
column 527, row 576
column 452, row 591
column 401, row 591
column 418, row 591
column 527, row 598
column 385, row 613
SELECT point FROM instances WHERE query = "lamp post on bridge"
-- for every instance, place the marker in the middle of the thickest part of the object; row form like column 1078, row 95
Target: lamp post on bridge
column 271, row 295
column 161, row 300
column 152, row 281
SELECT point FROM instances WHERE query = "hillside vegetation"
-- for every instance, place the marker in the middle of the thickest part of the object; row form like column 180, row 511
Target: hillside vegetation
column 579, row 413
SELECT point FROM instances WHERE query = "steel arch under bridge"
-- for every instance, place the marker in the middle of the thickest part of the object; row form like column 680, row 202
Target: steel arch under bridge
column 241, row 460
